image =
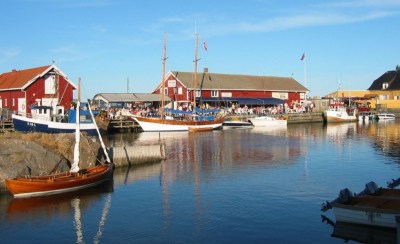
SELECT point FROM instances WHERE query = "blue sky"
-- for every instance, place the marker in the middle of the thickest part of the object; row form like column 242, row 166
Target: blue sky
column 107, row 42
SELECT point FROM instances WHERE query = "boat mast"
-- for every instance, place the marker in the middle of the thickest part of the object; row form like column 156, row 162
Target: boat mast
column 75, row 165
column 195, row 73
column 163, row 77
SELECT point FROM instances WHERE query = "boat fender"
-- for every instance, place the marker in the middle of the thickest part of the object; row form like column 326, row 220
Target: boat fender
column 345, row 195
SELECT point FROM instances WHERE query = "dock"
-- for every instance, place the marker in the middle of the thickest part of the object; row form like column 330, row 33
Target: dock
column 6, row 126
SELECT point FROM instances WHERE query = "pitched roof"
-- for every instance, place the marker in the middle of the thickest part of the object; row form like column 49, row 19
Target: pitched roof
column 20, row 79
column 392, row 78
column 129, row 97
column 211, row 81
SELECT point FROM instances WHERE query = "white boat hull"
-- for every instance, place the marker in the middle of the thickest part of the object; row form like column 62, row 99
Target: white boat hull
column 386, row 116
column 265, row 121
column 366, row 217
column 155, row 124
column 25, row 124
column 332, row 116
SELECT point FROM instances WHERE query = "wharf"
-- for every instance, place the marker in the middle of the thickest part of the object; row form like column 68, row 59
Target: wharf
column 6, row 126
column 123, row 124
column 293, row 118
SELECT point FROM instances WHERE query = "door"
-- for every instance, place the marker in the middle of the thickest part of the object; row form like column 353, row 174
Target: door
column 22, row 106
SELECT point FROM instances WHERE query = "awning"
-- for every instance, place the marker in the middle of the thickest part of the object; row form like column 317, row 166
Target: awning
column 244, row 100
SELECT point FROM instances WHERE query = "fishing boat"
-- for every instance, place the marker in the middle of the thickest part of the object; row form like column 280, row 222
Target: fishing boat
column 196, row 118
column 42, row 119
column 236, row 123
column 74, row 179
column 339, row 115
column 386, row 116
column 373, row 206
column 268, row 121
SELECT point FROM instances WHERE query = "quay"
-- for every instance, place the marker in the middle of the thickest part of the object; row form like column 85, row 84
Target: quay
column 6, row 126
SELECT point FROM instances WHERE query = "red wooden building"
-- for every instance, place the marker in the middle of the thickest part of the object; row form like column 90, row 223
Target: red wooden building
column 46, row 86
column 220, row 89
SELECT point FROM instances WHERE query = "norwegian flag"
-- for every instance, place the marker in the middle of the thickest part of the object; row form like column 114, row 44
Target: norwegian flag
column 205, row 46
column 303, row 56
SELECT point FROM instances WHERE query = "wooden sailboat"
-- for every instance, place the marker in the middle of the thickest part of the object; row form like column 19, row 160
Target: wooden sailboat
column 192, row 120
column 74, row 179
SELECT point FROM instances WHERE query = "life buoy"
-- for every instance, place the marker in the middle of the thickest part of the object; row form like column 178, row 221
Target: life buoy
column 23, row 106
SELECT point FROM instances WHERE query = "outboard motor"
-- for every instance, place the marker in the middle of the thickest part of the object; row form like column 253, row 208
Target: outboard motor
column 345, row 195
column 371, row 188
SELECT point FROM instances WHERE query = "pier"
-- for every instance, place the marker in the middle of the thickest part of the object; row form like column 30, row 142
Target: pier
column 135, row 155
column 6, row 126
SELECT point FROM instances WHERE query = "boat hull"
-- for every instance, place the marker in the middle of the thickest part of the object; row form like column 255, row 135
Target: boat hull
column 339, row 117
column 386, row 116
column 369, row 210
column 156, row 124
column 59, row 183
column 25, row 124
column 266, row 121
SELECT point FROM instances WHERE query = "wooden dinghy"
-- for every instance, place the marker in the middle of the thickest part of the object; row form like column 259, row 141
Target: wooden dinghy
column 59, row 183
column 374, row 206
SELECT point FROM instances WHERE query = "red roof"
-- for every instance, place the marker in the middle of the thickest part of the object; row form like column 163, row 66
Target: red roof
column 17, row 79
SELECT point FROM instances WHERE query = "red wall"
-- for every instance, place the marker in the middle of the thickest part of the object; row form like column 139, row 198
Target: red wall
column 36, row 91
column 207, row 93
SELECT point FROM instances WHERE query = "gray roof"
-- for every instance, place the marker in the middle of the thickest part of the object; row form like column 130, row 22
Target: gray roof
column 129, row 97
column 213, row 81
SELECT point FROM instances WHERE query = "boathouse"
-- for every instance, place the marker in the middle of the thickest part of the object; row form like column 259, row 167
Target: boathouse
column 224, row 89
column 45, row 86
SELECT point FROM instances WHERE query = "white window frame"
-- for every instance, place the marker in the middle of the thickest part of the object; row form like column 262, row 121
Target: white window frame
column 214, row 93
column 180, row 90
column 385, row 85
column 198, row 93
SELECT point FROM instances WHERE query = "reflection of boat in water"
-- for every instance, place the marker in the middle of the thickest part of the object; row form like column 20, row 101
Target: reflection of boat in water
column 57, row 204
column 363, row 233
column 340, row 128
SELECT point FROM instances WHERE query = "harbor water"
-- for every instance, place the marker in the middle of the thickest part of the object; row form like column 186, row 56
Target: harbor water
column 227, row 186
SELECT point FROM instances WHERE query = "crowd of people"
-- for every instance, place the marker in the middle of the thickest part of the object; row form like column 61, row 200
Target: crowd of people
column 234, row 109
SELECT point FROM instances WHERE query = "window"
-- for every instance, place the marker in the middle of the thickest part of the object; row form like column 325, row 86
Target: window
column 180, row 90
column 385, row 85
column 13, row 102
column 214, row 93
column 5, row 102
column 165, row 91
column 198, row 93
column 383, row 97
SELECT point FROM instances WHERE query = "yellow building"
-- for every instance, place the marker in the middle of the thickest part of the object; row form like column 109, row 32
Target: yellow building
column 384, row 92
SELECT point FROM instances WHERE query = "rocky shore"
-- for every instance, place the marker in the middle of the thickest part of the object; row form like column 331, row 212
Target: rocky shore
column 23, row 154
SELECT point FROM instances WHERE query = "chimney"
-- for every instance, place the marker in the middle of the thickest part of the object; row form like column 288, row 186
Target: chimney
column 205, row 70
column 14, row 70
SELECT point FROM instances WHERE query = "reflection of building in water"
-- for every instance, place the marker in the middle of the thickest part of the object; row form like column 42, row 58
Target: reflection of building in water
column 386, row 137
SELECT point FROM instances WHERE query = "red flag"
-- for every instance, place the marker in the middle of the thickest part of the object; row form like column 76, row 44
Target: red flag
column 205, row 46
column 303, row 56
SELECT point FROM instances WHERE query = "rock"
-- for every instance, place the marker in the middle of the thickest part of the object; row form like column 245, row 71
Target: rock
column 23, row 154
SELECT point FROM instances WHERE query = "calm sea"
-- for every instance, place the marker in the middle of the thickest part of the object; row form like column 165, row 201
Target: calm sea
column 228, row 186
